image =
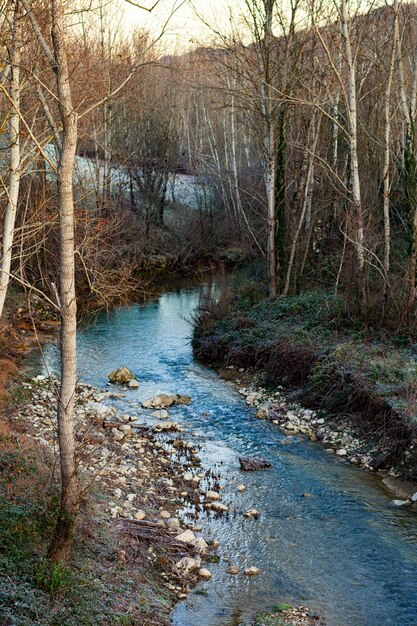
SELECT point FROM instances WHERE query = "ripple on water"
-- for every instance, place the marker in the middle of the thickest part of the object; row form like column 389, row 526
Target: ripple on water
column 346, row 551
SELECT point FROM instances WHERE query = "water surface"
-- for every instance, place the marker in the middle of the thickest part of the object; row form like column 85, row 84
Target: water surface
column 345, row 551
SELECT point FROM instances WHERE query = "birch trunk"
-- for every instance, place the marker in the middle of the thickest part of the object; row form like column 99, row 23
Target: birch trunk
column 15, row 161
column 387, row 158
column 353, row 151
column 64, row 532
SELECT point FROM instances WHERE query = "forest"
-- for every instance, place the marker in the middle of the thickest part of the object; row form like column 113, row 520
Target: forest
column 268, row 168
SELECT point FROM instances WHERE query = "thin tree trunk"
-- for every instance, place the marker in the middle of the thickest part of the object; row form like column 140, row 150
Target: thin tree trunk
column 354, row 163
column 63, row 537
column 306, row 202
column 15, row 161
column 387, row 159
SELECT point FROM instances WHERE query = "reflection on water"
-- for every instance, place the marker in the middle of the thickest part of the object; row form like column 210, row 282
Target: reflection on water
column 345, row 551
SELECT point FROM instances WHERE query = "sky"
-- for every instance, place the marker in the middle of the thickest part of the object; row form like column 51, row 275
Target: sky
column 185, row 27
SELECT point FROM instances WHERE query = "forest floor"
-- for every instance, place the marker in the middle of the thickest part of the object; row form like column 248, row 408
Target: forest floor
column 362, row 385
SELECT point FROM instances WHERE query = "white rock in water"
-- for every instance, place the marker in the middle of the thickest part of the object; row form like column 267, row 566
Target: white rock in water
column 133, row 384
column 241, row 488
column 188, row 476
column 251, row 513
column 200, row 544
column 252, row 571
column 212, row 495
column 341, row 452
column 187, row 537
column 204, row 573
column 161, row 414
column 188, row 564
column 219, row 507
column 414, row 497
column 402, row 503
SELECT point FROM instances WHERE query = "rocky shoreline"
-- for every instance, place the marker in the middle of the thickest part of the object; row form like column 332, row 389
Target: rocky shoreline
column 338, row 436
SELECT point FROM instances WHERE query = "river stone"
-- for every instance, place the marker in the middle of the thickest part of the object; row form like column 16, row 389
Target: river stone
column 133, row 384
column 200, row 544
column 187, row 564
column 252, row 571
column 212, row 495
column 187, row 537
column 233, row 570
column 251, row 513
column 121, row 376
column 204, row 573
column 139, row 515
column 164, row 401
column 161, row 414
column 219, row 507
column 241, row 488
column 341, row 452
column 414, row 497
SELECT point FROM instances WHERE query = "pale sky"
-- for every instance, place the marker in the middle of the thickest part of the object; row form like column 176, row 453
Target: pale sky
column 185, row 27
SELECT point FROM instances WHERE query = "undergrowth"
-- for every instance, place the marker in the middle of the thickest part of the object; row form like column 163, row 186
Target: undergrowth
column 96, row 589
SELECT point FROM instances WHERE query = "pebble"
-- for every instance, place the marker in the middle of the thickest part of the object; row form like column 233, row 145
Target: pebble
column 252, row 571
column 204, row 573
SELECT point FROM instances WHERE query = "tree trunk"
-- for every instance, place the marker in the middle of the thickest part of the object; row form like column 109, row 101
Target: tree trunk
column 354, row 163
column 15, row 162
column 63, row 537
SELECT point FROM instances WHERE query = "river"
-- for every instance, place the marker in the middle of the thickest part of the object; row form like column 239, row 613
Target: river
column 346, row 552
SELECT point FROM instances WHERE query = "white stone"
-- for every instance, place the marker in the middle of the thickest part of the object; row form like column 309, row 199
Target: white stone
column 341, row 452
column 241, row 487
column 204, row 573
column 251, row 513
column 139, row 515
column 133, row 384
column 187, row 537
column 212, row 495
column 252, row 571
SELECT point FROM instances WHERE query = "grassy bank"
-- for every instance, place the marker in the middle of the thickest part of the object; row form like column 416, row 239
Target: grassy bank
column 308, row 344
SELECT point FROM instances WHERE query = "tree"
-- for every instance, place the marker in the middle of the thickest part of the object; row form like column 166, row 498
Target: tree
column 15, row 158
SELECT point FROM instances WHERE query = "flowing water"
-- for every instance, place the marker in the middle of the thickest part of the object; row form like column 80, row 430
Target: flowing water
column 347, row 552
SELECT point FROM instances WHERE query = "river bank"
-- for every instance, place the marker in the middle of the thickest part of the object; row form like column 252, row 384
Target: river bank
column 363, row 388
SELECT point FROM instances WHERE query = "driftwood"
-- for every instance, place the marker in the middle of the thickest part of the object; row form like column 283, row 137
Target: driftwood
column 143, row 530
column 252, row 464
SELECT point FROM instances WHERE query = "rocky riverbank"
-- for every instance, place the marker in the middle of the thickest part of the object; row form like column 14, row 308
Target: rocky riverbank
column 338, row 436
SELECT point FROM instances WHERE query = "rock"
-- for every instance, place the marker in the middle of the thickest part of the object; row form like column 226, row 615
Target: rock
column 167, row 426
column 187, row 564
column 212, row 495
column 165, row 514
column 100, row 409
column 252, row 571
column 233, row 570
column 219, row 507
column 251, row 464
column 121, row 376
column 133, row 384
column 188, row 476
column 204, row 573
column 241, row 488
column 161, row 414
column 251, row 513
column 403, row 503
column 200, row 544
column 130, row 497
column 414, row 497
column 306, row 495
column 174, row 523
column 261, row 413
column 187, row 537
column 139, row 515
column 341, row 452
column 164, row 400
